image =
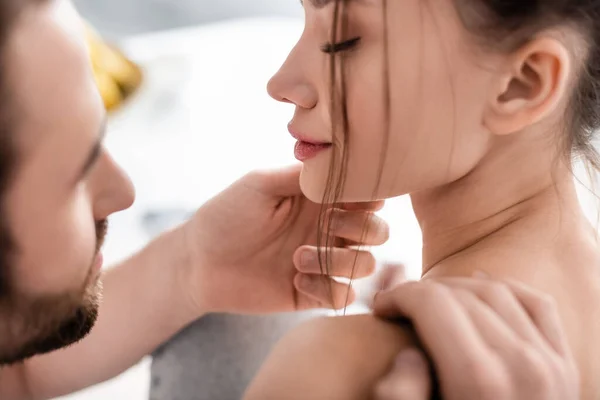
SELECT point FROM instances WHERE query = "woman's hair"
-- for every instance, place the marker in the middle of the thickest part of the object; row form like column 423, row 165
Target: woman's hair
column 496, row 25
column 10, row 10
column 504, row 25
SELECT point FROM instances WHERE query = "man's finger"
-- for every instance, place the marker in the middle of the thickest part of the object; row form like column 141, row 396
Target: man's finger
column 363, row 228
column 328, row 292
column 344, row 263
column 408, row 380
column 372, row 206
column 281, row 182
column 304, row 302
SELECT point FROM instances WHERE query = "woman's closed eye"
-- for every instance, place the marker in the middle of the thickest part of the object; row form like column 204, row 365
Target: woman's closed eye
column 332, row 48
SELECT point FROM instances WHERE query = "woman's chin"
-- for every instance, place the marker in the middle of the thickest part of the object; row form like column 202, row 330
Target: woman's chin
column 313, row 191
column 313, row 187
column 313, row 183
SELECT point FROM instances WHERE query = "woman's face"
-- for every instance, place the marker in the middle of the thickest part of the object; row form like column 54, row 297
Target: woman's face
column 434, row 133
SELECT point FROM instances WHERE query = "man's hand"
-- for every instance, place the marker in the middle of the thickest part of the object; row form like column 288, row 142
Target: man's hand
column 252, row 248
column 488, row 340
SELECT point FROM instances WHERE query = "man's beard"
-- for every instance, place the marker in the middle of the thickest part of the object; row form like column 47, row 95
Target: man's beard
column 45, row 324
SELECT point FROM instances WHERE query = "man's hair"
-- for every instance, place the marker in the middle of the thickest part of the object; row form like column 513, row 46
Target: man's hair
column 10, row 11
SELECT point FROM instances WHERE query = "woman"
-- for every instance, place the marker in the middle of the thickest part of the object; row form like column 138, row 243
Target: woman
column 477, row 109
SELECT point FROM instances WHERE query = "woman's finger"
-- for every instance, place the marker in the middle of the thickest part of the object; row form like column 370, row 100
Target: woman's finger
column 537, row 307
column 433, row 309
column 492, row 328
column 543, row 311
column 526, row 365
column 344, row 263
column 409, row 379
column 500, row 298
column 328, row 292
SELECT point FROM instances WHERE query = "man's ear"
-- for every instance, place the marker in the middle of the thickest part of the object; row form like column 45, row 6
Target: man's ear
column 530, row 88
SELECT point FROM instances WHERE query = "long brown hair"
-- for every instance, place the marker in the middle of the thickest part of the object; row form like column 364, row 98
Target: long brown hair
column 497, row 25
column 340, row 126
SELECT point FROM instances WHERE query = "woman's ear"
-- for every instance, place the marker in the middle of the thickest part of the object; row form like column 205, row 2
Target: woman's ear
column 530, row 88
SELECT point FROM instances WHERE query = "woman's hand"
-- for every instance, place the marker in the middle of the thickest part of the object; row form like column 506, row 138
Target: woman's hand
column 487, row 339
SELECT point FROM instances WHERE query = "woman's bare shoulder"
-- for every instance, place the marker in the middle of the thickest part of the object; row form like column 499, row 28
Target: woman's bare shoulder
column 330, row 358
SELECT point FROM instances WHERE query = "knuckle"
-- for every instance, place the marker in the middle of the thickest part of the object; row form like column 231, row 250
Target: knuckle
column 498, row 291
column 498, row 386
column 465, row 296
column 384, row 391
column 537, row 369
column 565, row 373
column 420, row 295
column 545, row 303
column 487, row 380
column 435, row 293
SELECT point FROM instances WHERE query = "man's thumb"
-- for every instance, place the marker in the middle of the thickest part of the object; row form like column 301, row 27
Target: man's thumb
column 408, row 380
column 278, row 182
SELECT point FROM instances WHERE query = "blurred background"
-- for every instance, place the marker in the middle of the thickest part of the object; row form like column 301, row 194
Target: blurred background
column 122, row 18
column 195, row 116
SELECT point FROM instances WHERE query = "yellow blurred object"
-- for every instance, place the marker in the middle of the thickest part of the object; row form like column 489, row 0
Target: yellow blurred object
column 116, row 76
column 109, row 89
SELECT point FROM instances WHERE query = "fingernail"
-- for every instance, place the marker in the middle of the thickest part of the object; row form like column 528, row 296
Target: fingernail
column 308, row 257
column 409, row 358
column 481, row 274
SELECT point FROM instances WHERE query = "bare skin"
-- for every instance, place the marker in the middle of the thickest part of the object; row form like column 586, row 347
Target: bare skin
column 501, row 340
column 472, row 138
column 226, row 258
column 345, row 357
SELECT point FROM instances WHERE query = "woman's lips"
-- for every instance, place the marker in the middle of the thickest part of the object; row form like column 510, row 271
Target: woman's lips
column 304, row 151
column 306, row 148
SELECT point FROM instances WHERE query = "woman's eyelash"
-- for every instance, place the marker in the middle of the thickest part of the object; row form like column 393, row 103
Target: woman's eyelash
column 332, row 48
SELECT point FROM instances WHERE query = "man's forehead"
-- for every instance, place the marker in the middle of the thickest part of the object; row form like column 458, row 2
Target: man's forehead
column 324, row 3
column 47, row 63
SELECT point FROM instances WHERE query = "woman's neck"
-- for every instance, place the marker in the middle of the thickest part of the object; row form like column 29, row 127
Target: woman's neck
column 503, row 191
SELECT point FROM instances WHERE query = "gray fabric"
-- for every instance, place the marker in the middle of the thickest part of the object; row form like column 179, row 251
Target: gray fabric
column 216, row 357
